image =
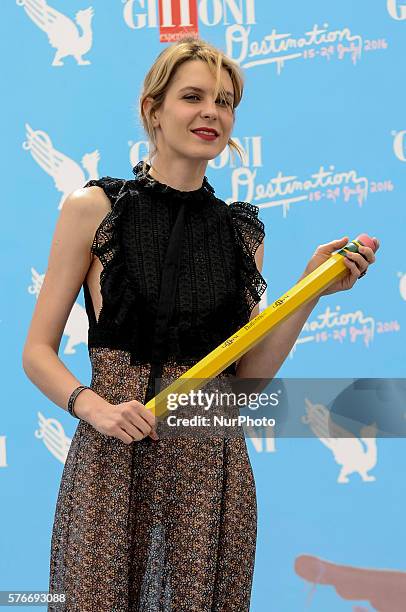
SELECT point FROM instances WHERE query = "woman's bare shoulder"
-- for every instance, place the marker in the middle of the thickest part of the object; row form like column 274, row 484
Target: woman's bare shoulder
column 91, row 201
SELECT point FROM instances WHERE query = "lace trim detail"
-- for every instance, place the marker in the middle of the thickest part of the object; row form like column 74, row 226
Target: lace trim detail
column 145, row 180
column 105, row 235
column 114, row 286
column 249, row 233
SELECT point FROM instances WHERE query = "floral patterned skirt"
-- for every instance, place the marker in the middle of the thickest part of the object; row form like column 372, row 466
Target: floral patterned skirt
column 153, row 526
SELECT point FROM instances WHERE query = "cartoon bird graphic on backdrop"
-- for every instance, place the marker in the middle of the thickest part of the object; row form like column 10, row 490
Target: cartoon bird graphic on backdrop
column 66, row 172
column 52, row 433
column 352, row 453
column 63, row 33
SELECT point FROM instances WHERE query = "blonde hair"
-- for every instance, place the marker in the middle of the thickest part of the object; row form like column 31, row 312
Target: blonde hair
column 163, row 69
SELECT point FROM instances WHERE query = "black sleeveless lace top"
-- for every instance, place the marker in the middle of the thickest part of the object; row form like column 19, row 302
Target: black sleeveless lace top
column 179, row 275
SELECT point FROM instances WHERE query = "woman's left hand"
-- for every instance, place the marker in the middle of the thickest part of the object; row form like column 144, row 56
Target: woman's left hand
column 356, row 263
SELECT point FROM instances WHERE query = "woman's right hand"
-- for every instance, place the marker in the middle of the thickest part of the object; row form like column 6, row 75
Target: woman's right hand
column 129, row 421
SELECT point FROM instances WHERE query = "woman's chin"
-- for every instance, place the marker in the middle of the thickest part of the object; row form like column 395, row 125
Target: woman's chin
column 208, row 154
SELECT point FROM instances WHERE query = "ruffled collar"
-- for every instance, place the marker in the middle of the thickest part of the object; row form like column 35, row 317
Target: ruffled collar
column 150, row 183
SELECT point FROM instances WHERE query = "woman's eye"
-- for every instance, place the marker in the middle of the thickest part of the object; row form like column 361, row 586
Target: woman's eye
column 195, row 97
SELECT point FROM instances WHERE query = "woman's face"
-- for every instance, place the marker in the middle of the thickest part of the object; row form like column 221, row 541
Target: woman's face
column 189, row 105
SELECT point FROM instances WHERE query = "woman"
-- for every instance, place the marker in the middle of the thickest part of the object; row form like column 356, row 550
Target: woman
column 169, row 271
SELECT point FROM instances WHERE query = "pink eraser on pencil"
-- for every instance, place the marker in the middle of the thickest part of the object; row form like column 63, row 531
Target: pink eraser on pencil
column 367, row 241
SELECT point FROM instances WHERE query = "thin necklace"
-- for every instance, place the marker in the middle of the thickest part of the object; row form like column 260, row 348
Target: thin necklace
column 164, row 177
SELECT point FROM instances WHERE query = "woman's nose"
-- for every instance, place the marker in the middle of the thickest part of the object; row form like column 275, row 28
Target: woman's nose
column 209, row 109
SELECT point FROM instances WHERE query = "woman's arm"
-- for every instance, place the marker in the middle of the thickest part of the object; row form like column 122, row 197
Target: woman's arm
column 265, row 358
column 68, row 264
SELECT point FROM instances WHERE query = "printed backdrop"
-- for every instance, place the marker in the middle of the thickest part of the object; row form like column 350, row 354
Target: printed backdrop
column 323, row 127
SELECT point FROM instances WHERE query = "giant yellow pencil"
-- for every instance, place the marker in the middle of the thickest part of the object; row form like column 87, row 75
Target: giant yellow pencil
column 255, row 330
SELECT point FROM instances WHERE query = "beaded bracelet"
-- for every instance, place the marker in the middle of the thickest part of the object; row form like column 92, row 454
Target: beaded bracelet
column 72, row 398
